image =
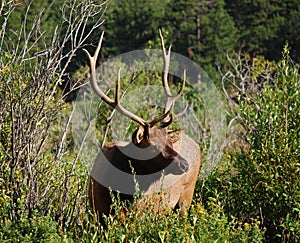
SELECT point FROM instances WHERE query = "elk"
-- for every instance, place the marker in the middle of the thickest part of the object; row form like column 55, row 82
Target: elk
column 162, row 156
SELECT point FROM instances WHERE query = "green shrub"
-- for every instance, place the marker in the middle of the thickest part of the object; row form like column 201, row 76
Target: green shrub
column 199, row 225
column 35, row 229
column 263, row 180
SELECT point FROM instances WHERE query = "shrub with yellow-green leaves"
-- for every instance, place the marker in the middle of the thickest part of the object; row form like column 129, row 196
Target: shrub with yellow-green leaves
column 262, row 181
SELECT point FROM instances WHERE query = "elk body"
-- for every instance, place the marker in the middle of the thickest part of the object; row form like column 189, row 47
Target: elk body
column 165, row 163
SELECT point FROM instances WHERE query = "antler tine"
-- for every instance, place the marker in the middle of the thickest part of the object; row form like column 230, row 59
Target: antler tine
column 93, row 78
column 166, row 57
column 170, row 99
column 180, row 114
column 115, row 104
column 117, row 97
column 180, row 92
column 152, row 123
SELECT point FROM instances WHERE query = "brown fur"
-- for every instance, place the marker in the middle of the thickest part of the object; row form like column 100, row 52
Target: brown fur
column 178, row 149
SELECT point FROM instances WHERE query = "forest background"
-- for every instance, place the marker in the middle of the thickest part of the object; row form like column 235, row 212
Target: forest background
column 204, row 31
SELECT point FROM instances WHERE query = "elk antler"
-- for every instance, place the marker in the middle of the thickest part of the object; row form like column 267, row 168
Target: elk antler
column 170, row 99
column 115, row 104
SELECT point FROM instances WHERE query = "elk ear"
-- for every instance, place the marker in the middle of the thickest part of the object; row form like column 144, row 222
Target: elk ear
column 138, row 135
column 141, row 136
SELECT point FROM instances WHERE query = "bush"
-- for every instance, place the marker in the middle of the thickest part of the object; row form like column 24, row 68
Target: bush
column 41, row 181
column 200, row 225
column 263, row 180
column 35, row 229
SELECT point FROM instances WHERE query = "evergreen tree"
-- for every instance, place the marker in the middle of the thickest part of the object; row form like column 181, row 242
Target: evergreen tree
column 183, row 22
column 131, row 24
column 27, row 11
column 219, row 35
column 203, row 31
column 266, row 25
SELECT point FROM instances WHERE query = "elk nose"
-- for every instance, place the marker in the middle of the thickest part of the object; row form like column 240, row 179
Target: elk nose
column 184, row 165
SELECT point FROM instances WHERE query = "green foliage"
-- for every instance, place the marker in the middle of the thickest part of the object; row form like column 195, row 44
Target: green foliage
column 262, row 181
column 203, row 31
column 22, row 170
column 29, row 11
column 218, row 35
column 266, row 26
column 131, row 24
column 198, row 226
column 34, row 229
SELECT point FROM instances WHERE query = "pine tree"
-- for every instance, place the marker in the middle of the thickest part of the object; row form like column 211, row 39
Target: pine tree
column 219, row 35
column 265, row 25
column 203, row 31
column 27, row 11
column 131, row 24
